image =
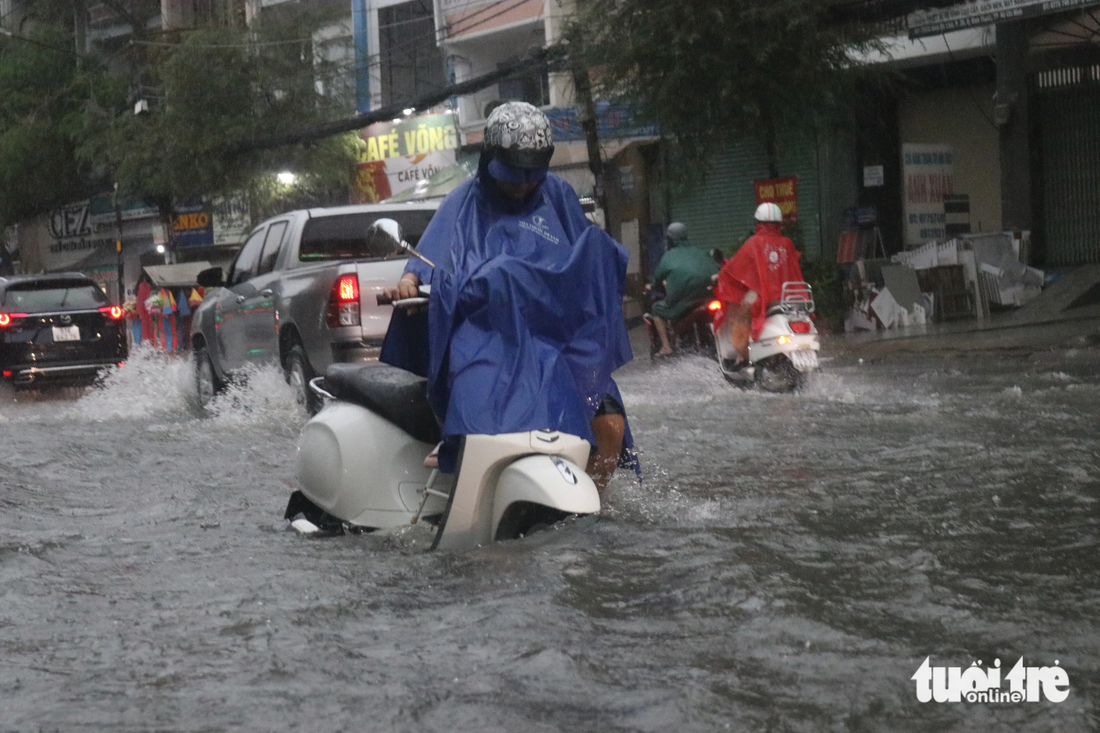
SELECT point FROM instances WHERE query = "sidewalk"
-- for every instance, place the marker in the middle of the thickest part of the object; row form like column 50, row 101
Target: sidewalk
column 1046, row 322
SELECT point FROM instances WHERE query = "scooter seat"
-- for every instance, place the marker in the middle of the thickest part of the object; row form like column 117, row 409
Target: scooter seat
column 394, row 394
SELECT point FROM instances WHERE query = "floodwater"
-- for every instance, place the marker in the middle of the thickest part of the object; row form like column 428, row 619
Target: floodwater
column 787, row 565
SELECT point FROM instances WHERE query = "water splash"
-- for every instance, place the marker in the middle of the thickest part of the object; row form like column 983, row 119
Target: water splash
column 150, row 383
column 257, row 395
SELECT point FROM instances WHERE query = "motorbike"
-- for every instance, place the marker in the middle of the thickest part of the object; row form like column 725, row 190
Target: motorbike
column 692, row 333
column 361, row 466
column 785, row 351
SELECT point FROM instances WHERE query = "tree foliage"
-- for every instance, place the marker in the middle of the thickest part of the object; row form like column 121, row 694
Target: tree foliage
column 68, row 126
column 705, row 71
column 43, row 95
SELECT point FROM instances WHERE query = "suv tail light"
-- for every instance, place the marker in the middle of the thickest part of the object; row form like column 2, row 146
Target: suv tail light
column 800, row 326
column 343, row 302
column 7, row 318
column 114, row 312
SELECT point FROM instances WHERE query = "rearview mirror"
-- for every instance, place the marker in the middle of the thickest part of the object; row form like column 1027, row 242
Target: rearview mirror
column 384, row 237
column 210, row 278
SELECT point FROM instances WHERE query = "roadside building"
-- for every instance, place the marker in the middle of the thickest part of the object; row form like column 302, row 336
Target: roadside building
column 996, row 105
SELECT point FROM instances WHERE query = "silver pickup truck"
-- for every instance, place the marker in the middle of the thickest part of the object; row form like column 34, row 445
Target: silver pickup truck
column 301, row 293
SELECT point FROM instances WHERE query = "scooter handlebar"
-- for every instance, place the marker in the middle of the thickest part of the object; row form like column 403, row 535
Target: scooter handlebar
column 408, row 302
column 421, row 299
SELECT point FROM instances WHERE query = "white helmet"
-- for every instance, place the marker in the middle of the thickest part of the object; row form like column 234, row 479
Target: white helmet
column 676, row 231
column 769, row 212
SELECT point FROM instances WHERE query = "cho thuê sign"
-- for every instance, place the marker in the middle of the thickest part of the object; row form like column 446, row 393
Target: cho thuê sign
column 780, row 191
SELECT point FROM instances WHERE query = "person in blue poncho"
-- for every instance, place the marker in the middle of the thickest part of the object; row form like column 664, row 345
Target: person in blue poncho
column 525, row 322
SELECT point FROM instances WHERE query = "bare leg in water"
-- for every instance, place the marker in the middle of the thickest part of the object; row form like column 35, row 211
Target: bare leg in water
column 662, row 331
column 740, row 316
column 609, row 430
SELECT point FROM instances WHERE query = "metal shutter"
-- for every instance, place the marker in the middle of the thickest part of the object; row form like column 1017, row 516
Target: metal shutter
column 1069, row 119
column 718, row 209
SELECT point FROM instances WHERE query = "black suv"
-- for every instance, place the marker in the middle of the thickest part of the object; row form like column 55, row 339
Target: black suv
column 58, row 329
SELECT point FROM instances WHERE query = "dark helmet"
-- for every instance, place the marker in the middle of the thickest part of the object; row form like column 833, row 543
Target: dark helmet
column 519, row 135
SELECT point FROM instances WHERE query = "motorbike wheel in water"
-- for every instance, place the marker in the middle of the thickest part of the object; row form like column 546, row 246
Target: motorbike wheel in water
column 207, row 384
column 298, row 373
column 777, row 374
column 524, row 518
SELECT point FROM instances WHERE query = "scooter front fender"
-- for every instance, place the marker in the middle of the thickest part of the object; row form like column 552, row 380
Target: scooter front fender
column 550, row 481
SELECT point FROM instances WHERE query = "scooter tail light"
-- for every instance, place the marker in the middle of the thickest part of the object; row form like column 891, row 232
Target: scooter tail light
column 800, row 326
column 714, row 306
column 343, row 302
column 114, row 312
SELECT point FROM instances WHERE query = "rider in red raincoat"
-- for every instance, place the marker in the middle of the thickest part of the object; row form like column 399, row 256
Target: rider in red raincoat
column 753, row 278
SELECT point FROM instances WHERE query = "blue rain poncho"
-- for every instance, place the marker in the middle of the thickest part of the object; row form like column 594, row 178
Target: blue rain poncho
column 525, row 324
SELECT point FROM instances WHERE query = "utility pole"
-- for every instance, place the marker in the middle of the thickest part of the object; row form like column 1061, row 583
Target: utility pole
column 586, row 115
column 118, row 249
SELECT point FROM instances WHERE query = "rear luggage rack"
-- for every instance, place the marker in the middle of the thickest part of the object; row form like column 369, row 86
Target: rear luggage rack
column 795, row 297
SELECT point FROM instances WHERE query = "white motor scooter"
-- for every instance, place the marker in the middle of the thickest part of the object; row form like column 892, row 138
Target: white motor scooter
column 786, row 350
column 361, row 466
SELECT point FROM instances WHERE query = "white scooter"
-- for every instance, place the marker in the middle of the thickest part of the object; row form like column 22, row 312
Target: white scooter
column 361, row 466
column 786, row 350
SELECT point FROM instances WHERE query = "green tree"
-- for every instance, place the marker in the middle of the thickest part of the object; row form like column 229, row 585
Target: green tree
column 216, row 89
column 706, row 71
column 68, row 127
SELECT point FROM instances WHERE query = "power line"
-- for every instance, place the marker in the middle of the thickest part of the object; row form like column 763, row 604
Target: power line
column 550, row 56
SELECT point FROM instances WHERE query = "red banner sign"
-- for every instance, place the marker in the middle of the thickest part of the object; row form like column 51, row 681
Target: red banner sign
column 781, row 191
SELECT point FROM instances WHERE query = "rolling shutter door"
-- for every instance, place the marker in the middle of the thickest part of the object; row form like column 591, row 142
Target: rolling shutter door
column 718, row 209
column 1069, row 118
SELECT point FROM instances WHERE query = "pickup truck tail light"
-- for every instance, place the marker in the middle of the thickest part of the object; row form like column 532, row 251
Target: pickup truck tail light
column 343, row 302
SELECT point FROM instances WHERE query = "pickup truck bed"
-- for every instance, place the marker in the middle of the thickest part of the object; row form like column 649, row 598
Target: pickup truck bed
column 301, row 294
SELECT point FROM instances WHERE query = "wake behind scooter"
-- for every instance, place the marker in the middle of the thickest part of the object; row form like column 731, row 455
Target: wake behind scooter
column 784, row 353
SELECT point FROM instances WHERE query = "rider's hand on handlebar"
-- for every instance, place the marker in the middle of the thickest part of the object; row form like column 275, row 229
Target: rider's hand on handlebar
column 406, row 288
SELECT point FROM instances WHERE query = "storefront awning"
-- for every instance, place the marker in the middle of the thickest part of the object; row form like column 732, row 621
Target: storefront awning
column 174, row 276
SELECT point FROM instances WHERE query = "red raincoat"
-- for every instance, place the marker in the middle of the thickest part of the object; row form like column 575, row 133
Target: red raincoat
column 764, row 262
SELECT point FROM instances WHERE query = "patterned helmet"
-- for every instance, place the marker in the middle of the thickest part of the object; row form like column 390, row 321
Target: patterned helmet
column 520, row 135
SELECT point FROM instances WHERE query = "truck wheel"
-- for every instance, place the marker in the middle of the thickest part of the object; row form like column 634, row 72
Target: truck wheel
column 298, row 374
column 207, row 384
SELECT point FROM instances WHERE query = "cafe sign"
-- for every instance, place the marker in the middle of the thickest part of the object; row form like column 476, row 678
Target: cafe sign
column 399, row 154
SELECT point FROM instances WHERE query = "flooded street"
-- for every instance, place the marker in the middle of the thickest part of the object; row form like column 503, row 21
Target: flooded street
column 787, row 565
